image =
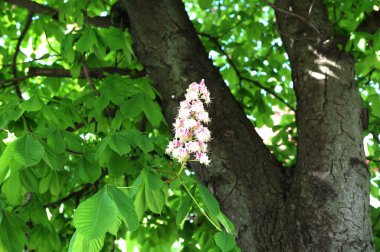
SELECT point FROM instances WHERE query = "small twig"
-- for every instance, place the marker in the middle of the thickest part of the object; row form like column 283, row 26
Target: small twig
column 92, row 85
column 178, row 174
column 304, row 20
column 231, row 28
column 47, row 40
column 368, row 76
column 240, row 76
column 164, row 171
column 17, row 50
column 76, row 194
column 74, row 152
column 89, row 80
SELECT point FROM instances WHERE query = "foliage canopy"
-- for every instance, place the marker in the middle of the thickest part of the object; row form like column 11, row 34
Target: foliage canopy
column 83, row 135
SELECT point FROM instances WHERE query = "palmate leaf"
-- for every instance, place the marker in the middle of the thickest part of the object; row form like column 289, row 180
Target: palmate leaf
column 224, row 241
column 119, row 143
column 140, row 202
column 12, row 233
column 27, row 151
column 79, row 243
column 12, row 189
column 227, row 224
column 152, row 111
column 87, row 40
column 152, row 180
column 209, row 201
column 96, row 215
column 126, row 207
column 155, row 199
column 5, row 159
column 183, row 209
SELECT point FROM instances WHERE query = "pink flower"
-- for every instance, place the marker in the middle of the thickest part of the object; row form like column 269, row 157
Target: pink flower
column 191, row 136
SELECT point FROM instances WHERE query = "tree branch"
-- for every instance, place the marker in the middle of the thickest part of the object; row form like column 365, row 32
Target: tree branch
column 240, row 76
column 103, row 22
column 93, row 72
column 17, row 50
column 89, row 80
column 77, row 194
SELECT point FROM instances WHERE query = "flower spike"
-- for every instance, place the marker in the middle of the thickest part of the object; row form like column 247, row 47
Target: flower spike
column 191, row 135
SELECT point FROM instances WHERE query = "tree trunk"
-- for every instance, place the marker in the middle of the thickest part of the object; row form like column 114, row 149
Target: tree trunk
column 326, row 208
column 329, row 199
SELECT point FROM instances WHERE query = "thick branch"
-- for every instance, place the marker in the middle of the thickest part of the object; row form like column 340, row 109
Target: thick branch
column 47, row 10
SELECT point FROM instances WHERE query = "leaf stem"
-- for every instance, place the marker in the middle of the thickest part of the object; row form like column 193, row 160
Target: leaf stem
column 181, row 170
column 200, row 208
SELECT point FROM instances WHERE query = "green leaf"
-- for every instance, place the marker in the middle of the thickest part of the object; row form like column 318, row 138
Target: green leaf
column 45, row 183
column 184, row 209
column 95, row 215
column 5, row 159
column 87, row 40
column 140, row 202
column 79, row 243
column 209, row 201
column 205, row 4
column 12, row 233
column 56, row 141
column 126, row 207
column 29, row 180
column 113, row 38
column 227, row 224
column 55, row 184
column 152, row 180
column 119, row 143
column 133, row 107
column 67, row 48
column 27, row 151
column 224, row 241
column 88, row 170
column 33, row 104
column 142, row 141
column 155, row 200
column 75, row 71
column 117, row 165
column 145, row 144
column 375, row 105
column 13, row 190
column 152, row 112
column 54, row 161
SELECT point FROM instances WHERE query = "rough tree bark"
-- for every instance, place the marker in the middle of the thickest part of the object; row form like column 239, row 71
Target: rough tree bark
column 325, row 206
column 328, row 208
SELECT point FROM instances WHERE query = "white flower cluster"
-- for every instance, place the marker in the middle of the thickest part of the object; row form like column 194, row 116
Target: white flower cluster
column 191, row 136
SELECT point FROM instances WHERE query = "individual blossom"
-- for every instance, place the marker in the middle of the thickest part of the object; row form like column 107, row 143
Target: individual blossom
column 191, row 135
